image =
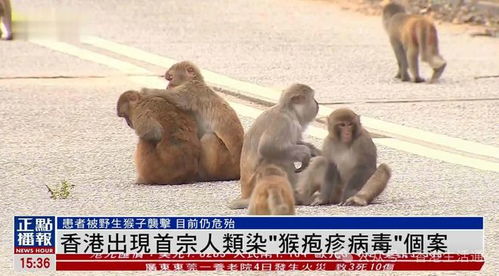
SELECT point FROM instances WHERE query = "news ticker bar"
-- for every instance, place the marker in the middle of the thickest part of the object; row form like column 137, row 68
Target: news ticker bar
column 247, row 243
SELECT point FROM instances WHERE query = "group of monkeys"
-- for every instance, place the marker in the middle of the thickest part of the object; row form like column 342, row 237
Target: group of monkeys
column 188, row 133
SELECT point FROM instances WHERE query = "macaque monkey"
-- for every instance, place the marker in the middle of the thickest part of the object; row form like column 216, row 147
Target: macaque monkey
column 346, row 173
column 411, row 36
column 5, row 20
column 276, row 138
column 168, row 151
column 219, row 128
column 273, row 194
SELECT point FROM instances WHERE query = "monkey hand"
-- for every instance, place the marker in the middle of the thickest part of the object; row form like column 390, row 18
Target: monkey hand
column 317, row 200
column 354, row 201
column 313, row 150
column 303, row 155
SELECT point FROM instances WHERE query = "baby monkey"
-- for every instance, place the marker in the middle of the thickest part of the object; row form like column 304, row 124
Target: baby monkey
column 273, row 194
column 411, row 36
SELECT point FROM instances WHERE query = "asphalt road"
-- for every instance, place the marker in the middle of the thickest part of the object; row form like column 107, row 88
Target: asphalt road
column 53, row 130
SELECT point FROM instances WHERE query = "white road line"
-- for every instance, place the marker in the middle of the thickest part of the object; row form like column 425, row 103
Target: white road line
column 271, row 95
column 251, row 112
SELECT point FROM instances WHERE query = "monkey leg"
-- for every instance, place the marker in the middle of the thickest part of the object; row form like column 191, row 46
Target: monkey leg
column 239, row 203
column 412, row 58
column 216, row 162
column 140, row 180
column 310, row 180
column 164, row 163
column 6, row 19
column 331, row 188
column 398, row 49
column 374, row 186
column 438, row 64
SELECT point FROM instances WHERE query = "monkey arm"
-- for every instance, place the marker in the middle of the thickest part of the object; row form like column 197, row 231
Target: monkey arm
column 146, row 127
column 147, row 92
column 276, row 143
column 313, row 150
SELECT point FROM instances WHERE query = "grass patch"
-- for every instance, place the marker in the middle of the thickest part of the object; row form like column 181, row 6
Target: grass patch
column 62, row 191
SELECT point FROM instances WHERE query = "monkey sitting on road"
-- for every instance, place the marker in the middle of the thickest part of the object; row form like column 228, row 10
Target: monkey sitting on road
column 273, row 194
column 411, row 36
column 346, row 173
column 168, row 151
column 219, row 128
column 5, row 20
column 276, row 138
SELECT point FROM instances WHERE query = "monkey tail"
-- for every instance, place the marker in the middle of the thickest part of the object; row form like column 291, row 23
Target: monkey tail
column 276, row 203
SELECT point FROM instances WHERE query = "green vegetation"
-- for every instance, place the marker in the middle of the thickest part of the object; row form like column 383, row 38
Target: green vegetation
column 62, row 191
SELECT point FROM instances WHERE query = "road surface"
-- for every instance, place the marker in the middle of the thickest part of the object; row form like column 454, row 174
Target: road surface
column 67, row 129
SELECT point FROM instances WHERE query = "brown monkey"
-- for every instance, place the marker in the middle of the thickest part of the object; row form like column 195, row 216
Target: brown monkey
column 168, row 150
column 6, row 20
column 276, row 138
column 347, row 170
column 411, row 36
column 273, row 194
column 219, row 128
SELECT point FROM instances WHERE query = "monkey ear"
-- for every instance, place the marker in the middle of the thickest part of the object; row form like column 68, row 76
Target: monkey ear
column 190, row 71
column 134, row 97
column 298, row 99
column 358, row 127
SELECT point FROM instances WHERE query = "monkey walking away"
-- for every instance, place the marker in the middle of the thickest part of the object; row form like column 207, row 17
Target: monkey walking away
column 346, row 172
column 276, row 138
column 169, row 149
column 219, row 128
column 5, row 20
column 273, row 194
column 412, row 36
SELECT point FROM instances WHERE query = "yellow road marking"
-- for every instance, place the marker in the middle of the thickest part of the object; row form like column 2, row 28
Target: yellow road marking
column 253, row 112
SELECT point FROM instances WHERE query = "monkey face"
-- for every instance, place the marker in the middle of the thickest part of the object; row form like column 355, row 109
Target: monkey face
column 345, row 131
column 175, row 76
column 344, row 125
column 305, row 106
column 180, row 73
column 310, row 109
column 128, row 122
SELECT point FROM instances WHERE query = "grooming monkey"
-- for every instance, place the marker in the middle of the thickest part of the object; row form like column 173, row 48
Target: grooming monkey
column 347, row 170
column 6, row 20
column 276, row 138
column 219, row 128
column 411, row 36
column 168, row 150
column 273, row 194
